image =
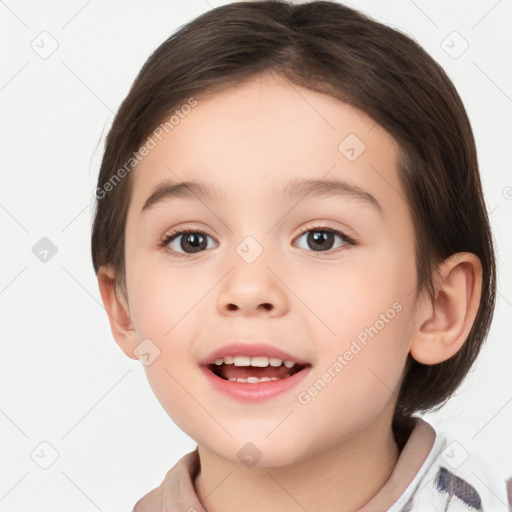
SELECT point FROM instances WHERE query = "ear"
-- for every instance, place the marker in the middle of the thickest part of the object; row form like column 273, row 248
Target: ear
column 118, row 313
column 440, row 331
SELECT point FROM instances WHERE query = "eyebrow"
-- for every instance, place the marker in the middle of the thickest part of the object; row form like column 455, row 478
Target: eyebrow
column 298, row 188
column 168, row 190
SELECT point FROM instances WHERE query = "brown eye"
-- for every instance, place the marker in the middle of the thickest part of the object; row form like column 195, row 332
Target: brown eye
column 322, row 239
column 187, row 242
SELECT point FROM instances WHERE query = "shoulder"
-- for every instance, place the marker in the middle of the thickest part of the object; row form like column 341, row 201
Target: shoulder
column 151, row 502
column 176, row 491
column 455, row 477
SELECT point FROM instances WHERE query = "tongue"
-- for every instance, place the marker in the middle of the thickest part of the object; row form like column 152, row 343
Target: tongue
column 228, row 371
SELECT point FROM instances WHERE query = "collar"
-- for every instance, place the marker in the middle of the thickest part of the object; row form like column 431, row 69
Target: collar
column 176, row 493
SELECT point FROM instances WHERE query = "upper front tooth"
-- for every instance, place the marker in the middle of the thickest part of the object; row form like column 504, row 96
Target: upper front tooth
column 242, row 361
column 260, row 361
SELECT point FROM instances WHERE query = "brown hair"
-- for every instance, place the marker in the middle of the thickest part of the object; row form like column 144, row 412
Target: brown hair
column 332, row 49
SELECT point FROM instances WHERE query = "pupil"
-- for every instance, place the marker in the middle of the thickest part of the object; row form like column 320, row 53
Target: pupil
column 196, row 241
column 319, row 238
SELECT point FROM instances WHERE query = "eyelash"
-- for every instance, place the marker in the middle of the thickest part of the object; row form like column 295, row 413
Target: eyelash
column 346, row 238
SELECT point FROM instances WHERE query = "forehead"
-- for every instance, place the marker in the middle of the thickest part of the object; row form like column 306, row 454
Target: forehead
column 250, row 141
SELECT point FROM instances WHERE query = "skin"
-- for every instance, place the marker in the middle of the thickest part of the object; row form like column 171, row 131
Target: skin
column 337, row 451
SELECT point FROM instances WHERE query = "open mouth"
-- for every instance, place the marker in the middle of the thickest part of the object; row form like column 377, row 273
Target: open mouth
column 254, row 374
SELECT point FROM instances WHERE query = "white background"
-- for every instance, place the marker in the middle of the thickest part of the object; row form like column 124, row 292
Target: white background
column 63, row 380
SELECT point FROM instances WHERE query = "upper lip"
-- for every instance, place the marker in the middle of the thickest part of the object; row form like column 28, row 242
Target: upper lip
column 250, row 349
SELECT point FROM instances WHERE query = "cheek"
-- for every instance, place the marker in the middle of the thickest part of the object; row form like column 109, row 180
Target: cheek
column 360, row 373
column 160, row 297
column 351, row 297
column 366, row 309
column 162, row 306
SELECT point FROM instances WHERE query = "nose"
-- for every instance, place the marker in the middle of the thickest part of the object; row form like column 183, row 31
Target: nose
column 252, row 289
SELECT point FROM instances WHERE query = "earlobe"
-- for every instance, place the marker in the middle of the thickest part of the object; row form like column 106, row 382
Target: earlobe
column 118, row 314
column 441, row 329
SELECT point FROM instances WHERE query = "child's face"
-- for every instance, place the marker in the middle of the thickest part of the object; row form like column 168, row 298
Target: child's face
column 249, row 142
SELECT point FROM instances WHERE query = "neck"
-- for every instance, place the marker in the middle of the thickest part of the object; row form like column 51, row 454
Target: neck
column 341, row 478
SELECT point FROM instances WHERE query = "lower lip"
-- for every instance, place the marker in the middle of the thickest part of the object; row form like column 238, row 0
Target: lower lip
column 258, row 391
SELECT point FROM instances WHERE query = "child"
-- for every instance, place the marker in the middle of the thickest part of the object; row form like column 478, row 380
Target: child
column 257, row 133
